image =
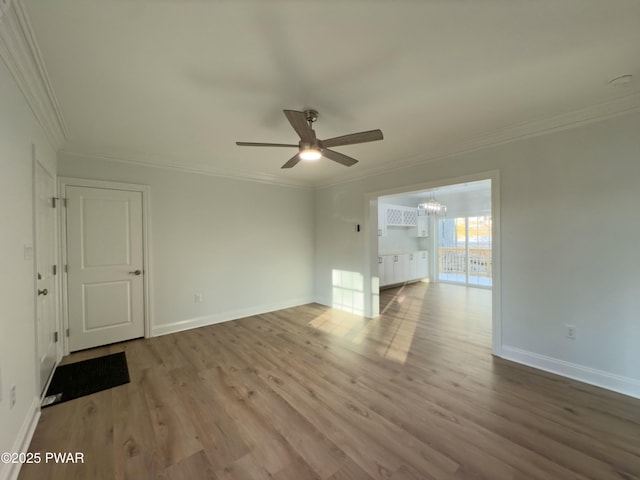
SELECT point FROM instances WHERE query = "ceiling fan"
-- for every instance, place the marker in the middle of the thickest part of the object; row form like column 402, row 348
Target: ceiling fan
column 310, row 147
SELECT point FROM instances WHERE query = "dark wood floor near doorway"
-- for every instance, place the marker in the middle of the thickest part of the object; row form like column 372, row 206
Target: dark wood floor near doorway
column 314, row 393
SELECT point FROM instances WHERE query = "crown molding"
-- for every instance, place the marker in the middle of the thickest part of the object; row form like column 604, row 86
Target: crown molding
column 164, row 163
column 20, row 52
column 595, row 113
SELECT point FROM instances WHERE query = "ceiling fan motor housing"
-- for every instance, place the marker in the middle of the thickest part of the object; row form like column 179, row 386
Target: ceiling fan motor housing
column 311, row 115
column 305, row 145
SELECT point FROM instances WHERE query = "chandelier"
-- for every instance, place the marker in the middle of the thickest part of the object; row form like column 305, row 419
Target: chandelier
column 432, row 206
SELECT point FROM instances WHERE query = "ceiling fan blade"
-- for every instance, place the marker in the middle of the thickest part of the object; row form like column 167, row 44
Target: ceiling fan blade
column 299, row 123
column 339, row 157
column 258, row 144
column 293, row 161
column 361, row 137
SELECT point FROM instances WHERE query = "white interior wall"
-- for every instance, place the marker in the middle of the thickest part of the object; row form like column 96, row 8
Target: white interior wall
column 400, row 240
column 247, row 247
column 18, row 131
column 569, row 234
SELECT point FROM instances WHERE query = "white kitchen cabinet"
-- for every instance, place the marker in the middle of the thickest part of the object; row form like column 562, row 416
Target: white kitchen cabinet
column 405, row 267
column 410, row 216
column 393, row 216
column 400, row 216
column 422, row 264
column 413, row 266
column 423, row 225
column 387, row 270
column 382, row 220
column 400, row 268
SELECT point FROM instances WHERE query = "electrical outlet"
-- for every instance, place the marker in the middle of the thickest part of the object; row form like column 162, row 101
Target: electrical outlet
column 571, row 331
column 198, row 298
column 12, row 396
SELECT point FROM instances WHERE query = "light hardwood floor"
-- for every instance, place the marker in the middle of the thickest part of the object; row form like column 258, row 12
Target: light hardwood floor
column 315, row 393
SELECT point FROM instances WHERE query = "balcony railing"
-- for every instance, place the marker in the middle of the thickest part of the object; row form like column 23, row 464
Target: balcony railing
column 454, row 260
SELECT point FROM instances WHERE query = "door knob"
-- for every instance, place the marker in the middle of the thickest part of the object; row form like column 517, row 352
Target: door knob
column 43, row 292
column 135, row 272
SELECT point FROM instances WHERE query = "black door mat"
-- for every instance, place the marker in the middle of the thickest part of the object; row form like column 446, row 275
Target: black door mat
column 78, row 379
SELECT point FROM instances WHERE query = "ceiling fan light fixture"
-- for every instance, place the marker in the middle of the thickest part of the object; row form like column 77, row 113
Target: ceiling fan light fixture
column 310, row 154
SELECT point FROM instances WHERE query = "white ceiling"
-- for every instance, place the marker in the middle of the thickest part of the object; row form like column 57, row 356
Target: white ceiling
column 178, row 82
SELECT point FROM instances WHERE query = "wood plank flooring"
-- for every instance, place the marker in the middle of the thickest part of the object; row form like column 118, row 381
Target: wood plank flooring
column 315, row 393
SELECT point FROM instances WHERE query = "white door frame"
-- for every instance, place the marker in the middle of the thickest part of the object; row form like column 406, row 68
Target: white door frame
column 57, row 283
column 372, row 284
column 65, row 182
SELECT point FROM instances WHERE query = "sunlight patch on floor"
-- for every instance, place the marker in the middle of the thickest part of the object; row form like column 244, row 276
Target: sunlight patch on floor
column 338, row 324
column 389, row 335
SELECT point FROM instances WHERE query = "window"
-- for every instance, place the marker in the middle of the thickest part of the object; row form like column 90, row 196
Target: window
column 464, row 250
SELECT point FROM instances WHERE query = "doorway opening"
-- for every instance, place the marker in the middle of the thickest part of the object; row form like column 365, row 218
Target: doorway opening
column 453, row 228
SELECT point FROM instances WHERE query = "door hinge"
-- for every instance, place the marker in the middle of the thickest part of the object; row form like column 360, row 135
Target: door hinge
column 55, row 269
column 64, row 202
column 66, row 269
column 67, row 332
column 55, row 337
column 53, row 201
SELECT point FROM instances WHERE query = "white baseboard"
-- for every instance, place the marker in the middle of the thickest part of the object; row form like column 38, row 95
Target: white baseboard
column 225, row 316
column 10, row 471
column 610, row 381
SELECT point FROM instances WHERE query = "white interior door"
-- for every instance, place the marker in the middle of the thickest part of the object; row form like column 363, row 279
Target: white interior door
column 105, row 266
column 46, row 320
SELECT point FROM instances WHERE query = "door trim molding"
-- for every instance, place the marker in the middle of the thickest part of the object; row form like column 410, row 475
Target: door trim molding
column 56, row 243
column 63, row 183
